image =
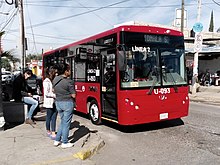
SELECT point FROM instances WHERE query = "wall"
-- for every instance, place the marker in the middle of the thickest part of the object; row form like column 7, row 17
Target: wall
column 213, row 64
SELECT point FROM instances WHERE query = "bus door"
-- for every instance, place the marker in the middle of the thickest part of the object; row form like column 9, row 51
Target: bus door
column 70, row 60
column 108, row 92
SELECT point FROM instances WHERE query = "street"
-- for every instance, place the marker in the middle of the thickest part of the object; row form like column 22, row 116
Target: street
column 197, row 141
column 193, row 140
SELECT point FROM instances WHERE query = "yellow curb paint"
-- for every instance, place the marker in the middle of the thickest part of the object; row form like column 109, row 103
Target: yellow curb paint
column 80, row 155
column 89, row 152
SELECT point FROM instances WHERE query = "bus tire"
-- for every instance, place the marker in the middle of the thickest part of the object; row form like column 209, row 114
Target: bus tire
column 94, row 113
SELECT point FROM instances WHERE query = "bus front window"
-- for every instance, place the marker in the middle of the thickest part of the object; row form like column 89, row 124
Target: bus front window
column 153, row 66
column 142, row 68
column 172, row 63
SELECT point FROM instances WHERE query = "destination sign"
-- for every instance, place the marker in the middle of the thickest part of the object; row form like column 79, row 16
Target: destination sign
column 156, row 39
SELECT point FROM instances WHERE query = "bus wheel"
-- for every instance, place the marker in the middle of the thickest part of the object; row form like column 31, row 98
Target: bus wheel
column 94, row 113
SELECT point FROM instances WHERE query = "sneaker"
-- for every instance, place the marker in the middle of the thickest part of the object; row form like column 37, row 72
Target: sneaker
column 29, row 121
column 66, row 145
column 48, row 134
column 53, row 137
column 56, row 143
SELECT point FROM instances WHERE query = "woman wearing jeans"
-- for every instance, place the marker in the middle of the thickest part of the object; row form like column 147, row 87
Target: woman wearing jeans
column 65, row 94
column 49, row 96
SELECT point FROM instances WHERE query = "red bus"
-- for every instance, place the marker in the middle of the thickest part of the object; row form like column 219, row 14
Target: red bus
column 131, row 74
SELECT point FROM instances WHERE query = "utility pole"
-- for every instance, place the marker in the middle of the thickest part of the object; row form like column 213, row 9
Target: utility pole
column 199, row 10
column 2, row 120
column 182, row 16
column 198, row 47
column 22, row 34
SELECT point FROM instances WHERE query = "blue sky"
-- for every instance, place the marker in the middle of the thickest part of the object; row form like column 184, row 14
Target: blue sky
column 54, row 23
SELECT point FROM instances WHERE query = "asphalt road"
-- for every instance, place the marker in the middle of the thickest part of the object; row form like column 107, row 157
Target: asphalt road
column 193, row 140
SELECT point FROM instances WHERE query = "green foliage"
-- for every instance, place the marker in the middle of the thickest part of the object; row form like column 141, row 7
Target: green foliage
column 33, row 57
column 7, row 57
column 6, row 64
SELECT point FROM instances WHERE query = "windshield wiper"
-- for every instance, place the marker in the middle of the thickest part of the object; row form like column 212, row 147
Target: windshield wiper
column 174, row 83
column 164, row 76
column 155, row 80
column 152, row 87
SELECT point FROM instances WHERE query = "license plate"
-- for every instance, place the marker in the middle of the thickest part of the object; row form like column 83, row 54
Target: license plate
column 163, row 116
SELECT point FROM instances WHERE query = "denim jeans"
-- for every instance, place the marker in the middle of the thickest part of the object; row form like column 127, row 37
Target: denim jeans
column 51, row 119
column 65, row 110
column 33, row 103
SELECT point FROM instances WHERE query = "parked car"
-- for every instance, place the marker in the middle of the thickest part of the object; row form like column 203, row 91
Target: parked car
column 218, row 72
column 9, row 80
column 6, row 75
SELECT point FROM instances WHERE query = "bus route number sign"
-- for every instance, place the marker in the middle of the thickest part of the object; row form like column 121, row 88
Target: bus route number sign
column 162, row 91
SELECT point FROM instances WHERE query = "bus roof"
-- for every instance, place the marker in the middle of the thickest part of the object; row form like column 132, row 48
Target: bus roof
column 149, row 28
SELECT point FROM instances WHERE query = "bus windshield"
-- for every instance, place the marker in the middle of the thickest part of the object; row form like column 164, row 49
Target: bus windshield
column 155, row 61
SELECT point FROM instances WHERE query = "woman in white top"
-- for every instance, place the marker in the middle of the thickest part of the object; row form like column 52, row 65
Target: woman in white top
column 49, row 97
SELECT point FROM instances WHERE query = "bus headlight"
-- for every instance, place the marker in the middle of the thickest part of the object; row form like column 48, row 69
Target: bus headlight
column 126, row 100
column 137, row 107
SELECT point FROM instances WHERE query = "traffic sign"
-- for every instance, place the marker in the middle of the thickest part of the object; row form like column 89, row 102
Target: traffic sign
column 197, row 27
column 198, row 42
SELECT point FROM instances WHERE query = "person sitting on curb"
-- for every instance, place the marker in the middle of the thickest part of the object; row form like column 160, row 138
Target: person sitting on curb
column 20, row 93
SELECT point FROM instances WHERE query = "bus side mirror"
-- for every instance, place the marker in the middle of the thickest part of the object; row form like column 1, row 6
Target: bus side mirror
column 121, row 61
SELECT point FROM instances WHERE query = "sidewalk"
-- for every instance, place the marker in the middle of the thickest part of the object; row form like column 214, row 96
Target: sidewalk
column 207, row 94
column 27, row 145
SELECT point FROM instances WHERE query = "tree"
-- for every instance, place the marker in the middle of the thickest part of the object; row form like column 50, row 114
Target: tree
column 8, row 58
column 5, row 64
column 211, row 25
column 9, row 55
column 33, row 57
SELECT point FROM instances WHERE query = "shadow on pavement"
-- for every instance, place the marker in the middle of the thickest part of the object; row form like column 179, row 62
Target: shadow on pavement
column 145, row 127
column 80, row 132
column 11, row 125
column 133, row 128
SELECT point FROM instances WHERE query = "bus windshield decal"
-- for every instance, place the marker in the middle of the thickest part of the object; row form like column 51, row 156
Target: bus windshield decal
column 140, row 49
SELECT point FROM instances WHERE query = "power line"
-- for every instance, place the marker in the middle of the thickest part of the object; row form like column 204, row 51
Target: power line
column 216, row 2
column 61, row 38
column 95, row 14
column 112, row 7
column 10, row 20
column 96, row 9
column 75, row 15
column 51, row 1
column 31, row 30
column 9, row 3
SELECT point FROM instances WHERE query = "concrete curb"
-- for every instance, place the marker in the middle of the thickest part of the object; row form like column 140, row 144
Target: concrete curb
column 91, row 150
column 205, row 100
column 92, row 145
